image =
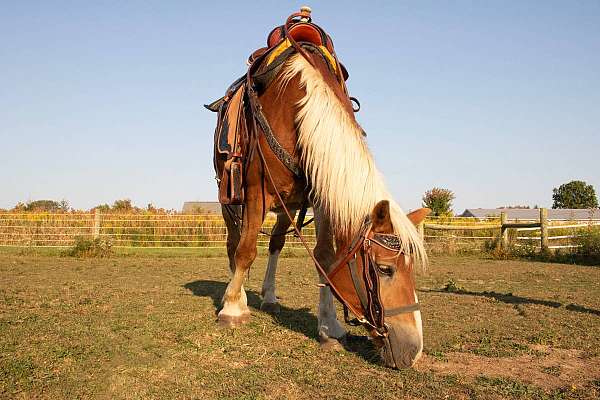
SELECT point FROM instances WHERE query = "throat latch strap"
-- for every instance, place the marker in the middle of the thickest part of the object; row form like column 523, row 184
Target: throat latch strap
column 402, row 310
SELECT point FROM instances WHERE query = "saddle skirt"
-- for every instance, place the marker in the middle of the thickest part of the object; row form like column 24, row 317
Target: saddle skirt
column 231, row 125
column 231, row 136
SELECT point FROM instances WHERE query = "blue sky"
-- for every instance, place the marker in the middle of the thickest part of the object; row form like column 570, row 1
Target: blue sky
column 497, row 101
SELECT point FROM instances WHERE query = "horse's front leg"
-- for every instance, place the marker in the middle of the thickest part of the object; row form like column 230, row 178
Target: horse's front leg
column 235, row 309
column 270, row 302
column 329, row 328
column 232, row 215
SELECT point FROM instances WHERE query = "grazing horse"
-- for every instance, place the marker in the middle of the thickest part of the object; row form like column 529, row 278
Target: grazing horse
column 310, row 116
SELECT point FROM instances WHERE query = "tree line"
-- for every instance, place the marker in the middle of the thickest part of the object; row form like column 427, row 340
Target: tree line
column 122, row 206
column 574, row 195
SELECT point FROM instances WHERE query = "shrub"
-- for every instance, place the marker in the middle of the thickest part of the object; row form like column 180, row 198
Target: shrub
column 453, row 246
column 588, row 241
column 587, row 252
column 452, row 287
column 123, row 206
column 43, row 206
column 495, row 249
column 85, row 247
column 526, row 250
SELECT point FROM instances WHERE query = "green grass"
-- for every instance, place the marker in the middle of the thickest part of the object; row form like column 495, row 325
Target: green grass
column 143, row 326
column 159, row 252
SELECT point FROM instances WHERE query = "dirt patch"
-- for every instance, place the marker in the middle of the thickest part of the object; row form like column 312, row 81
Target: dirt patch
column 551, row 368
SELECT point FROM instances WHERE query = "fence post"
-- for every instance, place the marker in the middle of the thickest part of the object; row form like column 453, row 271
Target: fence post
column 503, row 230
column 544, row 230
column 96, row 232
column 421, row 230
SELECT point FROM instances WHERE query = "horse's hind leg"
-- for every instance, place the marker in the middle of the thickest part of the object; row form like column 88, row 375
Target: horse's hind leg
column 329, row 328
column 235, row 306
column 269, row 302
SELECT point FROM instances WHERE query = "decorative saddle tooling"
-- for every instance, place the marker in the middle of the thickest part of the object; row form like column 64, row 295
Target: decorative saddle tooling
column 239, row 111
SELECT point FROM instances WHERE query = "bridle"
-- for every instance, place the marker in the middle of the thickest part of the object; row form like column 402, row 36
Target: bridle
column 368, row 284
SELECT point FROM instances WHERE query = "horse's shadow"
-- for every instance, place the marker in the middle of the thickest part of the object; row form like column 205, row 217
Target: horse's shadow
column 299, row 320
column 510, row 298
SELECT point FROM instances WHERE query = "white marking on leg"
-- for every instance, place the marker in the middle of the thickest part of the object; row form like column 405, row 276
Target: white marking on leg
column 328, row 323
column 268, row 288
column 419, row 324
column 235, row 308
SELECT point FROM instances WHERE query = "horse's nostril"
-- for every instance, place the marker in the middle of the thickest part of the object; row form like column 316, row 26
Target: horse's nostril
column 402, row 347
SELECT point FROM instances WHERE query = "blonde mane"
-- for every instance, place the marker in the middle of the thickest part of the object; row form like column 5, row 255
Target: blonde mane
column 334, row 155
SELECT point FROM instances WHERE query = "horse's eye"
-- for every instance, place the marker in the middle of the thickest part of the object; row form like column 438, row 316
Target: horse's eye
column 385, row 269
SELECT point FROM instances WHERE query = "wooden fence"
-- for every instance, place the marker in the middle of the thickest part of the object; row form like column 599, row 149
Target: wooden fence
column 124, row 230
column 500, row 229
column 208, row 231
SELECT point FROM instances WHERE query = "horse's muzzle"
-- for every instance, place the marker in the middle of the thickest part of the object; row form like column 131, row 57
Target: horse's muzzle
column 402, row 347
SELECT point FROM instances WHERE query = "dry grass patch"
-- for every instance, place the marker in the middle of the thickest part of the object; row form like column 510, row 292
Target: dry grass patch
column 144, row 327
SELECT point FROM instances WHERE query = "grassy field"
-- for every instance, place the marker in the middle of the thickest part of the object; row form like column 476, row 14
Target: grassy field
column 144, row 326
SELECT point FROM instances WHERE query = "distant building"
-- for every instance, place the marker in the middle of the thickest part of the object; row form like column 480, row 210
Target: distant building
column 565, row 214
column 201, row 207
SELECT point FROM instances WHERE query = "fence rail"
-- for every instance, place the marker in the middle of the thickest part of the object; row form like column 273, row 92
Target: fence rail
column 502, row 228
column 209, row 231
column 133, row 230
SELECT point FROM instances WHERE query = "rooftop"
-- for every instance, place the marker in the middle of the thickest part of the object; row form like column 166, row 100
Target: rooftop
column 566, row 214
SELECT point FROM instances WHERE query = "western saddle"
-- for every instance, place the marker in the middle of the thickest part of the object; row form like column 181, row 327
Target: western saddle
column 239, row 110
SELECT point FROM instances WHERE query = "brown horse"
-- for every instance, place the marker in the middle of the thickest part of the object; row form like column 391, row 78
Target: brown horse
column 311, row 117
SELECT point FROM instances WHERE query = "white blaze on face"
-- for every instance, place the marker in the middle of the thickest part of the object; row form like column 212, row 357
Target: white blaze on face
column 419, row 326
column 268, row 288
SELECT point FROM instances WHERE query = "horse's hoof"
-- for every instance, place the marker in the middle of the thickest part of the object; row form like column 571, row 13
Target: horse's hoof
column 330, row 344
column 229, row 321
column 272, row 308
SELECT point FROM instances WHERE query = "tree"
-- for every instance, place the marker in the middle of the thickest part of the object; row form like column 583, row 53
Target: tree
column 43, row 206
column 123, row 206
column 102, row 208
column 575, row 194
column 19, row 207
column 439, row 201
column 64, row 205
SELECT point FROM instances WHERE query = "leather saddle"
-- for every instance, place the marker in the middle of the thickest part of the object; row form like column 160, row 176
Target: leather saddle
column 232, row 134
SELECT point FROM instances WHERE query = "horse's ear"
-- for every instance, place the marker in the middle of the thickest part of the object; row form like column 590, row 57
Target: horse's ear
column 380, row 217
column 417, row 216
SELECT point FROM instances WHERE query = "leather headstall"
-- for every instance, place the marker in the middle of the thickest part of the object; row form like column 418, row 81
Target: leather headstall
column 368, row 286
